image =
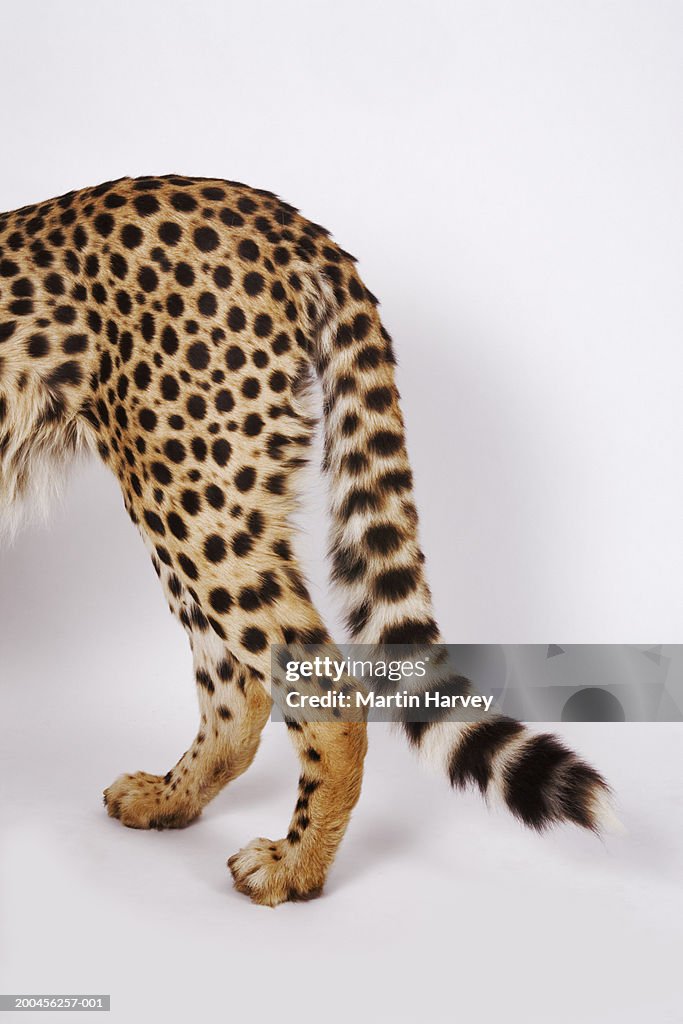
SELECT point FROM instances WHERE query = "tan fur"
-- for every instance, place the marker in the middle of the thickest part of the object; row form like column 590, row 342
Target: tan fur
column 173, row 326
column 100, row 249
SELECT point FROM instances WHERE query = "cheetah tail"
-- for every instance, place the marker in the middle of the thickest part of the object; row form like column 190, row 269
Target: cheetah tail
column 379, row 567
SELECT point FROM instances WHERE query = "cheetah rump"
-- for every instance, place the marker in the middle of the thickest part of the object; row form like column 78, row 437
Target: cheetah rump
column 172, row 325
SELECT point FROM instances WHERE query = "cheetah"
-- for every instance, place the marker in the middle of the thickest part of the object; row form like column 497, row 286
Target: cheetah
column 171, row 326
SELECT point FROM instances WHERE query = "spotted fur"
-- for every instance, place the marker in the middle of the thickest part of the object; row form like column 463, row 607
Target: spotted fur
column 171, row 325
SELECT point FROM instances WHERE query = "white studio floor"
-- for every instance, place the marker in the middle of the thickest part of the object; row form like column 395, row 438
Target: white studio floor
column 437, row 909
column 509, row 176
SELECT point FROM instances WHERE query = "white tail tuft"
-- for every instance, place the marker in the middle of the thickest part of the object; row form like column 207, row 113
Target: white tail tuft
column 605, row 816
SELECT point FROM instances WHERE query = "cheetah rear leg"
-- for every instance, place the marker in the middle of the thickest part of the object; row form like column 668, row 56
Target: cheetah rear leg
column 232, row 717
column 331, row 756
column 233, row 710
column 294, row 868
column 249, row 594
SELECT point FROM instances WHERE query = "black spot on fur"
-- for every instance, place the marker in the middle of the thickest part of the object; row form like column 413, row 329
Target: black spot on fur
column 383, row 538
column 220, row 600
column 395, row 584
column 411, row 631
column 254, row 639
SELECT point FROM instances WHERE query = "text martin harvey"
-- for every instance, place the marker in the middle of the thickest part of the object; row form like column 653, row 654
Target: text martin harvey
column 358, row 699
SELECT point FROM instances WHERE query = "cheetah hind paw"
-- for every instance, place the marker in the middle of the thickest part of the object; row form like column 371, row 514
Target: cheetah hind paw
column 266, row 872
column 147, row 801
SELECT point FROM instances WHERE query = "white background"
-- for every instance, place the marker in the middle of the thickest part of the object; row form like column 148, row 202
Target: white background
column 509, row 177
